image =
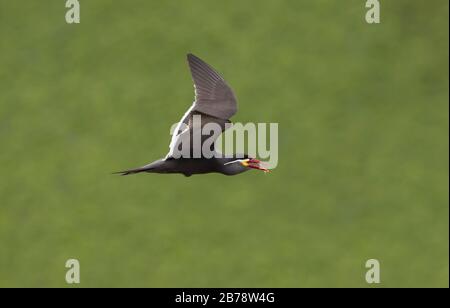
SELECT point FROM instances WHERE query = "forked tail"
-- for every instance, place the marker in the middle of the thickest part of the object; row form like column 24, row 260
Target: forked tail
column 132, row 171
column 153, row 167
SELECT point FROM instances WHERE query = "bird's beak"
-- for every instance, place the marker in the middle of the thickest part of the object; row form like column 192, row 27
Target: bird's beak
column 254, row 164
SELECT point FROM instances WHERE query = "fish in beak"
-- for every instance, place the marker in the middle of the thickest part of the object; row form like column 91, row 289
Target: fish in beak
column 254, row 164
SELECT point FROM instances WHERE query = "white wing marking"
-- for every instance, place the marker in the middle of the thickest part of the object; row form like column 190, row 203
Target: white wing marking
column 177, row 133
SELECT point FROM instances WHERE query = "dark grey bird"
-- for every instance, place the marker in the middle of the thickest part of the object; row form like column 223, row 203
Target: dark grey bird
column 214, row 103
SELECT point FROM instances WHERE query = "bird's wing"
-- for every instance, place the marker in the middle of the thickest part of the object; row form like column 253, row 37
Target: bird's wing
column 181, row 127
column 214, row 102
column 191, row 135
column 212, row 94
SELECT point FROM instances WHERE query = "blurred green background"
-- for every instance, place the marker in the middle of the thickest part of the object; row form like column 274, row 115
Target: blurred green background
column 363, row 169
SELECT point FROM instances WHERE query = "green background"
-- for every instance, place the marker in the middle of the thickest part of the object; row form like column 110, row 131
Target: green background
column 363, row 131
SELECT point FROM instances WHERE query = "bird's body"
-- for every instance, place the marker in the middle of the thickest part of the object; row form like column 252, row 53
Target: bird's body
column 215, row 103
column 190, row 166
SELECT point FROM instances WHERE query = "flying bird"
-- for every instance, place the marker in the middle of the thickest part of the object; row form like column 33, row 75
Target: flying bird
column 215, row 103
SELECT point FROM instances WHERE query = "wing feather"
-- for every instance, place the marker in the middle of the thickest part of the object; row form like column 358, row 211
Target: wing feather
column 214, row 101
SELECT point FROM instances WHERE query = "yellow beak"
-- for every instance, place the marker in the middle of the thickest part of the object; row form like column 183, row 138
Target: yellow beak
column 245, row 163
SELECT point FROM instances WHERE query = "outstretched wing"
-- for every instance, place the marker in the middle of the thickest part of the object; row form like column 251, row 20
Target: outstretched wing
column 212, row 94
column 214, row 102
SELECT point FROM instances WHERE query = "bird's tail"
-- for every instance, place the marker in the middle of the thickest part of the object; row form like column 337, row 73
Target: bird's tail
column 134, row 171
column 153, row 167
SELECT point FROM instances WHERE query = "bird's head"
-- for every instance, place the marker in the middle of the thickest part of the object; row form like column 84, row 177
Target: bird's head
column 249, row 163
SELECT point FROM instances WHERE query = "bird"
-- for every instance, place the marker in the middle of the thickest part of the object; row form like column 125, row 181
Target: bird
column 215, row 102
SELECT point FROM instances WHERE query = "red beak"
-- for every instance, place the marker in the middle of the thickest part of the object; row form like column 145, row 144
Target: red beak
column 256, row 164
